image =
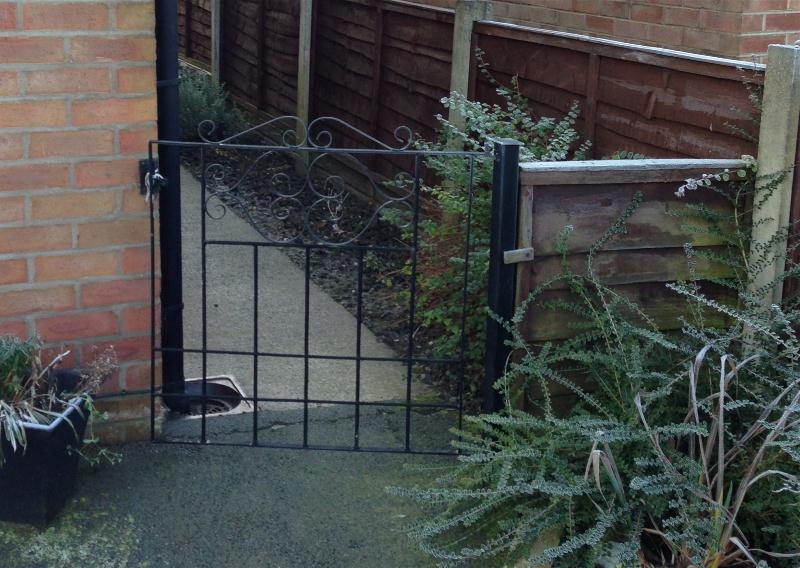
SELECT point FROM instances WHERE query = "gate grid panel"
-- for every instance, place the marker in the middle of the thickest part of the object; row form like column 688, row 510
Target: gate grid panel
column 314, row 205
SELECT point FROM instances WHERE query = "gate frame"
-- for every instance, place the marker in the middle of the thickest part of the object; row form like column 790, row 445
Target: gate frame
column 506, row 153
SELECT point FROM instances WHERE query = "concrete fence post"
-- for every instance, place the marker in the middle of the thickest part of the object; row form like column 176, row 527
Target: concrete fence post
column 777, row 152
column 216, row 39
column 467, row 13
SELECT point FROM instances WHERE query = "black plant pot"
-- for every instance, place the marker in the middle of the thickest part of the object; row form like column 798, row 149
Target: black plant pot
column 36, row 483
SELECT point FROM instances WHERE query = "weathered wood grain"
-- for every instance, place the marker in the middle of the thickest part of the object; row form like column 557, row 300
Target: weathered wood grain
column 589, row 197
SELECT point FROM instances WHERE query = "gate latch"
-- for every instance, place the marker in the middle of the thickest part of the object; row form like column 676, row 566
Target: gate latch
column 518, row 255
column 150, row 187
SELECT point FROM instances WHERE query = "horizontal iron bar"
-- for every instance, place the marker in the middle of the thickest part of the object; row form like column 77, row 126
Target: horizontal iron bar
column 425, row 360
column 320, row 150
column 365, row 248
column 366, row 450
column 432, row 405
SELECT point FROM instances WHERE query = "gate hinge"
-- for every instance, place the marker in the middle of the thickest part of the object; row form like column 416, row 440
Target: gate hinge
column 518, row 255
column 150, row 187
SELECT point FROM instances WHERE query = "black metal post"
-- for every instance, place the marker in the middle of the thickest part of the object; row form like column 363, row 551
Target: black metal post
column 502, row 277
column 170, row 198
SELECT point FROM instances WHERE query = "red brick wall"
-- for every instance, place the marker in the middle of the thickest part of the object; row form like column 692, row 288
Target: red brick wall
column 730, row 28
column 77, row 103
column 767, row 22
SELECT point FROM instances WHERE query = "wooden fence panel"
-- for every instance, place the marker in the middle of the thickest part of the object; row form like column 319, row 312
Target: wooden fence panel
column 239, row 48
column 278, row 60
column 590, row 197
column 194, row 30
column 660, row 103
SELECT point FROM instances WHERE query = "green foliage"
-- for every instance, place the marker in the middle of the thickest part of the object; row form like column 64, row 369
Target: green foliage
column 202, row 99
column 85, row 535
column 635, row 446
column 442, row 238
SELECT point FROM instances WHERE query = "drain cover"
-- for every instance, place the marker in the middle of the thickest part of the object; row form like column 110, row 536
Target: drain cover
column 219, row 399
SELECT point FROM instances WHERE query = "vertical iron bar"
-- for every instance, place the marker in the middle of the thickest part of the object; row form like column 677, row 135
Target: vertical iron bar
column 152, row 173
column 305, row 345
column 255, row 345
column 465, row 294
column 359, row 319
column 502, row 277
column 204, row 310
column 412, row 301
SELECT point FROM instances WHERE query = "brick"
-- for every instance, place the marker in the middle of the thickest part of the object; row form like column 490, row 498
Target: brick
column 75, row 266
column 8, row 16
column 31, row 50
column 137, row 260
column 115, row 292
column 14, row 271
column 134, row 202
column 610, row 8
column 764, row 5
column 33, row 239
column 140, row 16
column 687, row 17
column 112, row 49
column 26, row 302
column 33, row 176
column 65, row 16
column 136, row 320
column 782, row 22
column 79, row 325
column 73, row 204
column 51, row 352
column 73, row 80
column 136, row 80
column 134, row 140
column 32, row 114
column 17, row 328
column 137, row 376
column 113, row 233
column 599, row 24
column 9, row 84
column 107, row 173
column 114, row 111
column 71, row 143
column 12, row 210
column 724, row 22
column 11, row 147
column 752, row 23
column 126, row 349
column 647, row 13
column 759, row 44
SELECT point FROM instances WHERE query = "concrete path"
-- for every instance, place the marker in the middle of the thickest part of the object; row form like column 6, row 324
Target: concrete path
column 281, row 318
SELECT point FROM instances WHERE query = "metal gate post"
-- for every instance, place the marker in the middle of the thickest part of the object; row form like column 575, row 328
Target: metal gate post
column 502, row 277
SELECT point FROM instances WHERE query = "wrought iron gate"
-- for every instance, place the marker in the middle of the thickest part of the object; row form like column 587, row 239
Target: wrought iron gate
column 306, row 197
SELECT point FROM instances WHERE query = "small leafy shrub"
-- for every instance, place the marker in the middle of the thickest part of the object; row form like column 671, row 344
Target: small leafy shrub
column 680, row 449
column 201, row 99
column 442, row 237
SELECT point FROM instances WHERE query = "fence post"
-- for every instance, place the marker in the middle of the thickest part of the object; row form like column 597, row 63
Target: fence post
column 502, row 277
column 777, row 151
column 216, row 39
column 467, row 13
column 304, row 65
